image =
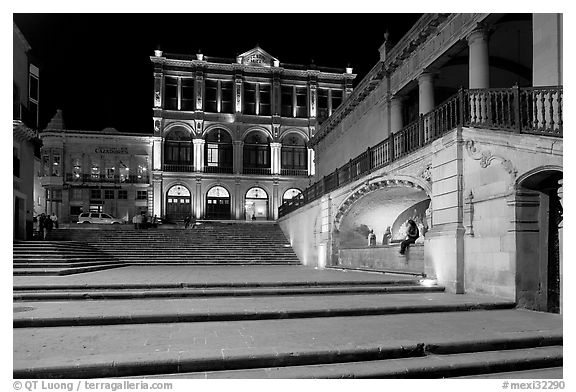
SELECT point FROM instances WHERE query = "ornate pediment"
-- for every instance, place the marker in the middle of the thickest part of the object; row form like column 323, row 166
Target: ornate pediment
column 257, row 57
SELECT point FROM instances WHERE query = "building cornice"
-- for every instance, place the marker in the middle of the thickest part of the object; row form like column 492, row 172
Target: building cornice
column 235, row 67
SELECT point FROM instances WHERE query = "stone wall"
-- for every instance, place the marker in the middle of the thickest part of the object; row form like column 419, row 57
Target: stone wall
column 385, row 258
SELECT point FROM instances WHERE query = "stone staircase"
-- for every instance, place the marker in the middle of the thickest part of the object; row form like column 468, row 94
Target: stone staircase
column 207, row 244
column 59, row 258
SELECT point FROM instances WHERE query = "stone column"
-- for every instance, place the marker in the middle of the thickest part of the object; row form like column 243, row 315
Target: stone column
column 238, row 156
column 396, row 122
column 275, row 149
column 238, row 94
column 238, row 207
column 478, row 64
column 157, row 195
column 157, row 153
column 198, row 199
column 426, row 92
column 275, row 199
column 199, row 84
column 199, row 154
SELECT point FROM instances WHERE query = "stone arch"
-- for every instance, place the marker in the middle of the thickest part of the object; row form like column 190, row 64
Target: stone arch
column 297, row 131
column 520, row 179
column 263, row 130
column 169, row 127
column 376, row 184
column 218, row 126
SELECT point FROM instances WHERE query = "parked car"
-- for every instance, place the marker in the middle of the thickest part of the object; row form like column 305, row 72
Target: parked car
column 101, row 218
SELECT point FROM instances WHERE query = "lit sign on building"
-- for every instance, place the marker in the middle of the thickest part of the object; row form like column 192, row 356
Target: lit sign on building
column 111, row 150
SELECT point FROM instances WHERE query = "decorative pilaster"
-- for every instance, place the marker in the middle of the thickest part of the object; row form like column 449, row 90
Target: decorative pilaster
column 311, row 162
column 313, row 99
column 238, row 156
column 275, row 149
column 157, row 195
column 157, row 90
column 199, row 88
column 469, row 214
column 156, row 153
column 198, row 199
column 199, row 154
column 238, row 94
column 275, row 199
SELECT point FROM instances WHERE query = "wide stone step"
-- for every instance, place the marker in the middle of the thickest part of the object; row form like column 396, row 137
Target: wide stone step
column 400, row 360
column 62, row 271
column 52, row 314
column 430, row 366
column 225, row 292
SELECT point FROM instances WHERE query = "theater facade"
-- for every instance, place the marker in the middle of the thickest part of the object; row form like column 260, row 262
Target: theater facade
column 230, row 140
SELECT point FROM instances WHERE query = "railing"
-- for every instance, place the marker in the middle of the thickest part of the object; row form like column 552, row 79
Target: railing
column 532, row 110
column 218, row 169
column 100, row 178
column 257, row 170
column 294, row 172
column 177, row 168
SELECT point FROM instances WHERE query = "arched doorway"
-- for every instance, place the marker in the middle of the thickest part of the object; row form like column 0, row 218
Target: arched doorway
column 178, row 203
column 539, row 214
column 256, row 204
column 218, row 203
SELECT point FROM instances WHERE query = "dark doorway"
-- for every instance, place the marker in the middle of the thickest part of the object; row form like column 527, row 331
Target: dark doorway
column 218, row 203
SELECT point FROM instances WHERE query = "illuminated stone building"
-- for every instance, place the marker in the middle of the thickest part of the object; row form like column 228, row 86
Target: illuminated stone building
column 230, row 141
column 460, row 128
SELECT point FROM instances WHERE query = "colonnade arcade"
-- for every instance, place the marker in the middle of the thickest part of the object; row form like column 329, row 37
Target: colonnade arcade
column 218, row 152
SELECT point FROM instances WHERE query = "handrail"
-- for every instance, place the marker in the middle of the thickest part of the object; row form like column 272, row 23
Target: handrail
column 530, row 110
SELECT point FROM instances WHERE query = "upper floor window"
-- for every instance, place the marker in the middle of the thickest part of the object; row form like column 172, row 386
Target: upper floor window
column 178, row 147
column 294, row 152
column 265, row 100
column 211, row 95
column 171, row 93
column 286, row 101
column 218, row 149
column 187, row 94
column 256, row 151
column 301, row 102
column 336, row 99
column 250, row 98
column 226, row 97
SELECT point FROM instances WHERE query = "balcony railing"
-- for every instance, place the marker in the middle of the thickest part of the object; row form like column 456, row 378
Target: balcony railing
column 257, row 170
column 100, row 178
column 294, row 172
column 531, row 110
column 218, row 169
column 171, row 167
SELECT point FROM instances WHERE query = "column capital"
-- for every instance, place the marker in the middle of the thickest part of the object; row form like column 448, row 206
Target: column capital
column 427, row 76
column 479, row 33
column 275, row 145
column 198, row 141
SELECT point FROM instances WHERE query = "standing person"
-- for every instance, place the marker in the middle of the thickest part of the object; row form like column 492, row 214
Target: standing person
column 143, row 221
column 187, row 221
column 411, row 237
column 135, row 222
column 54, row 220
column 48, row 224
column 41, row 223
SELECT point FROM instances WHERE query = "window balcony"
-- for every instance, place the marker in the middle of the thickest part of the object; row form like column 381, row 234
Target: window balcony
column 102, row 178
column 218, row 169
column 294, row 172
column 262, row 171
column 180, row 168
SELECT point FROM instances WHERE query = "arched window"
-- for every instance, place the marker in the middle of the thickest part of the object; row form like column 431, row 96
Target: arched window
column 294, row 153
column 256, row 151
column 218, row 152
column 178, row 150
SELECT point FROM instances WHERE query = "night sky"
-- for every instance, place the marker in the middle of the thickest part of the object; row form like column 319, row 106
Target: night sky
column 96, row 67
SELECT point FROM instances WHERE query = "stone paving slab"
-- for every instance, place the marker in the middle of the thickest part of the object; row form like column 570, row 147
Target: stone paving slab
column 207, row 275
column 159, row 348
column 59, row 313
